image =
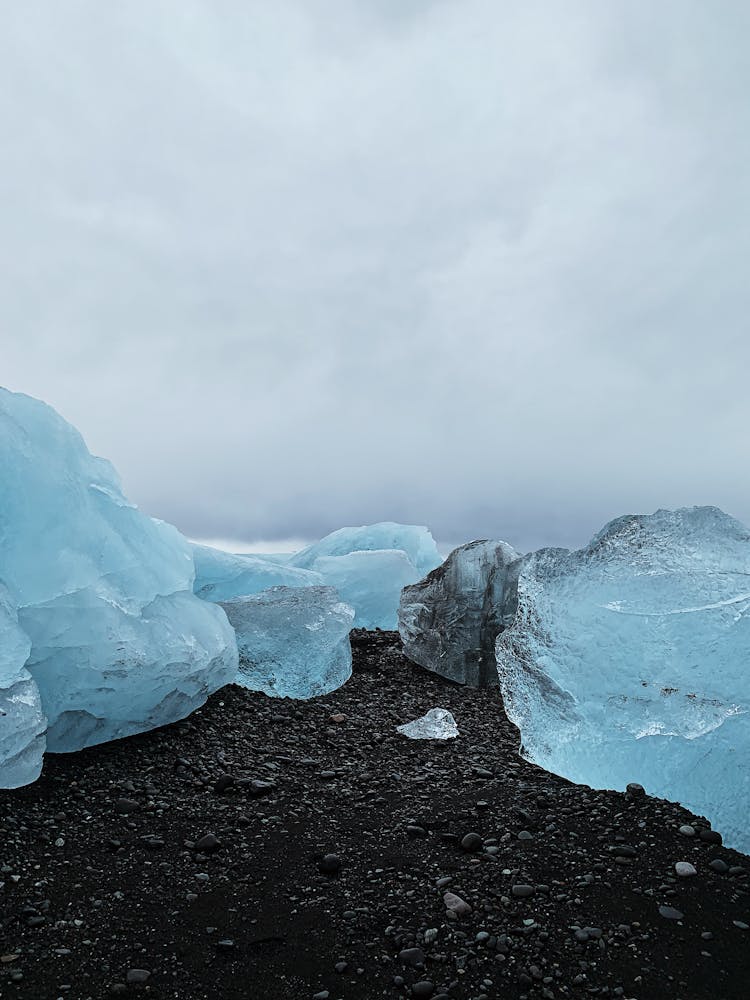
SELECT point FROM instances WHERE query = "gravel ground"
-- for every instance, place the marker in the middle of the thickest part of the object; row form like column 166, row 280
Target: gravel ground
column 276, row 849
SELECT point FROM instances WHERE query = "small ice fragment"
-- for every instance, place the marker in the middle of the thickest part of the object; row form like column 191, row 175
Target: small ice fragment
column 437, row 724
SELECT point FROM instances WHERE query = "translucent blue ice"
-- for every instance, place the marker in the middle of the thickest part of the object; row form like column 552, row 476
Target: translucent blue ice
column 22, row 722
column 370, row 565
column 221, row 576
column 414, row 540
column 293, row 642
column 371, row 582
column 629, row 660
column 119, row 643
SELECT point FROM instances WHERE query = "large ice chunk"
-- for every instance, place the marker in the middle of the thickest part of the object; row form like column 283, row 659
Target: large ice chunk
column 449, row 621
column 119, row 643
column 629, row 660
column 371, row 582
column 22, row 722
column 293, row 642
column 221, row 576
column 414, row 540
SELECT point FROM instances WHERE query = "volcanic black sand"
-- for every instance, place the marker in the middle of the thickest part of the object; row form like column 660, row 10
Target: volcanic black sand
column 186, row 863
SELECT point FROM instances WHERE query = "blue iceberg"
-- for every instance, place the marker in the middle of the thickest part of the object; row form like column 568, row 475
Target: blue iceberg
column 293, row 642
column 371, row 582
column 629, row 660
column 102, row 593
column 370, row 565
column 414, row 540
column 221, row 576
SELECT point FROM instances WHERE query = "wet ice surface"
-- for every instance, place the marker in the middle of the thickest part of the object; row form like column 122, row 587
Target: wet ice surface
column 629, row 660
column 437, row 724
column 293, row 642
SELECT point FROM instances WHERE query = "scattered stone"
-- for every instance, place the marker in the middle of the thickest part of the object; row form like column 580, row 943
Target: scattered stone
column 137, row 976
column 208, row 843
column 471, row 842
column 670, row 913
column 455, row 903
column 684, row 869
column 330, row 864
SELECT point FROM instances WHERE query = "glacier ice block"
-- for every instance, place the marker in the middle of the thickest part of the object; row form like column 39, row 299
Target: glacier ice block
column 119, row 643
column 371, row 582
column 629, row 661
column 293, row 642
column 221, row 576
column 415, row 540
column 22, row 722
column 449, row 620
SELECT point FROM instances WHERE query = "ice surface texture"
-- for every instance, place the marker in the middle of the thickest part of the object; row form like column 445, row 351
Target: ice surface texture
column 22, row 722
column 414, row 540
column 437, row 724
column 221, row 576
column 371, row 582
column 450, row 620
column 629, row 660
column 367, row 565
column 293, row 642
column 119, row 644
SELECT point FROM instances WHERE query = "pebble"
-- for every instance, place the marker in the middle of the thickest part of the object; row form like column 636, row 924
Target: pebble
column 455, row 903
column 670, row 913
column 471, row 842
column 684, row 869
column 424, row 988
column 330, row 864
column 125, row 806
column 522, row 891
column 687, row 830
column 135, row 976
column 719, row 866
column 412, row 956
column 208, row 843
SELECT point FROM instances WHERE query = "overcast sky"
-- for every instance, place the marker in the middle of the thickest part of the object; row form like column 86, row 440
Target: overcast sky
column 295, row 265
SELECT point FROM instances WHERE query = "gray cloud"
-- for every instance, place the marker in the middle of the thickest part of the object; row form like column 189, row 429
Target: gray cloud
column 479, row 265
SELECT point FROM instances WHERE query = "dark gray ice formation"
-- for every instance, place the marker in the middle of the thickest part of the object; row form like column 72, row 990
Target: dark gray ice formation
column 449, row 621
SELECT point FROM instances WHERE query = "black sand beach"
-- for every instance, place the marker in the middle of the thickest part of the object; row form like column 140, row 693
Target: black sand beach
column 189, row 863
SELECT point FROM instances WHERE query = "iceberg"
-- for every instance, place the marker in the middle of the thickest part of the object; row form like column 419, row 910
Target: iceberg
column 415, row 540
column 437, row 724
column 221, row 576
column 118, row 642
column 22, row 722
column 450, row 620
column 370, row 565
column 293, row 642
column 629, row 661
column 371, row 582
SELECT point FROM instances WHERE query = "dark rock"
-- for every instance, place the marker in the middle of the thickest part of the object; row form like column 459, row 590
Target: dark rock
column 208, row 843
column 330, row 864
column 471, row 842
